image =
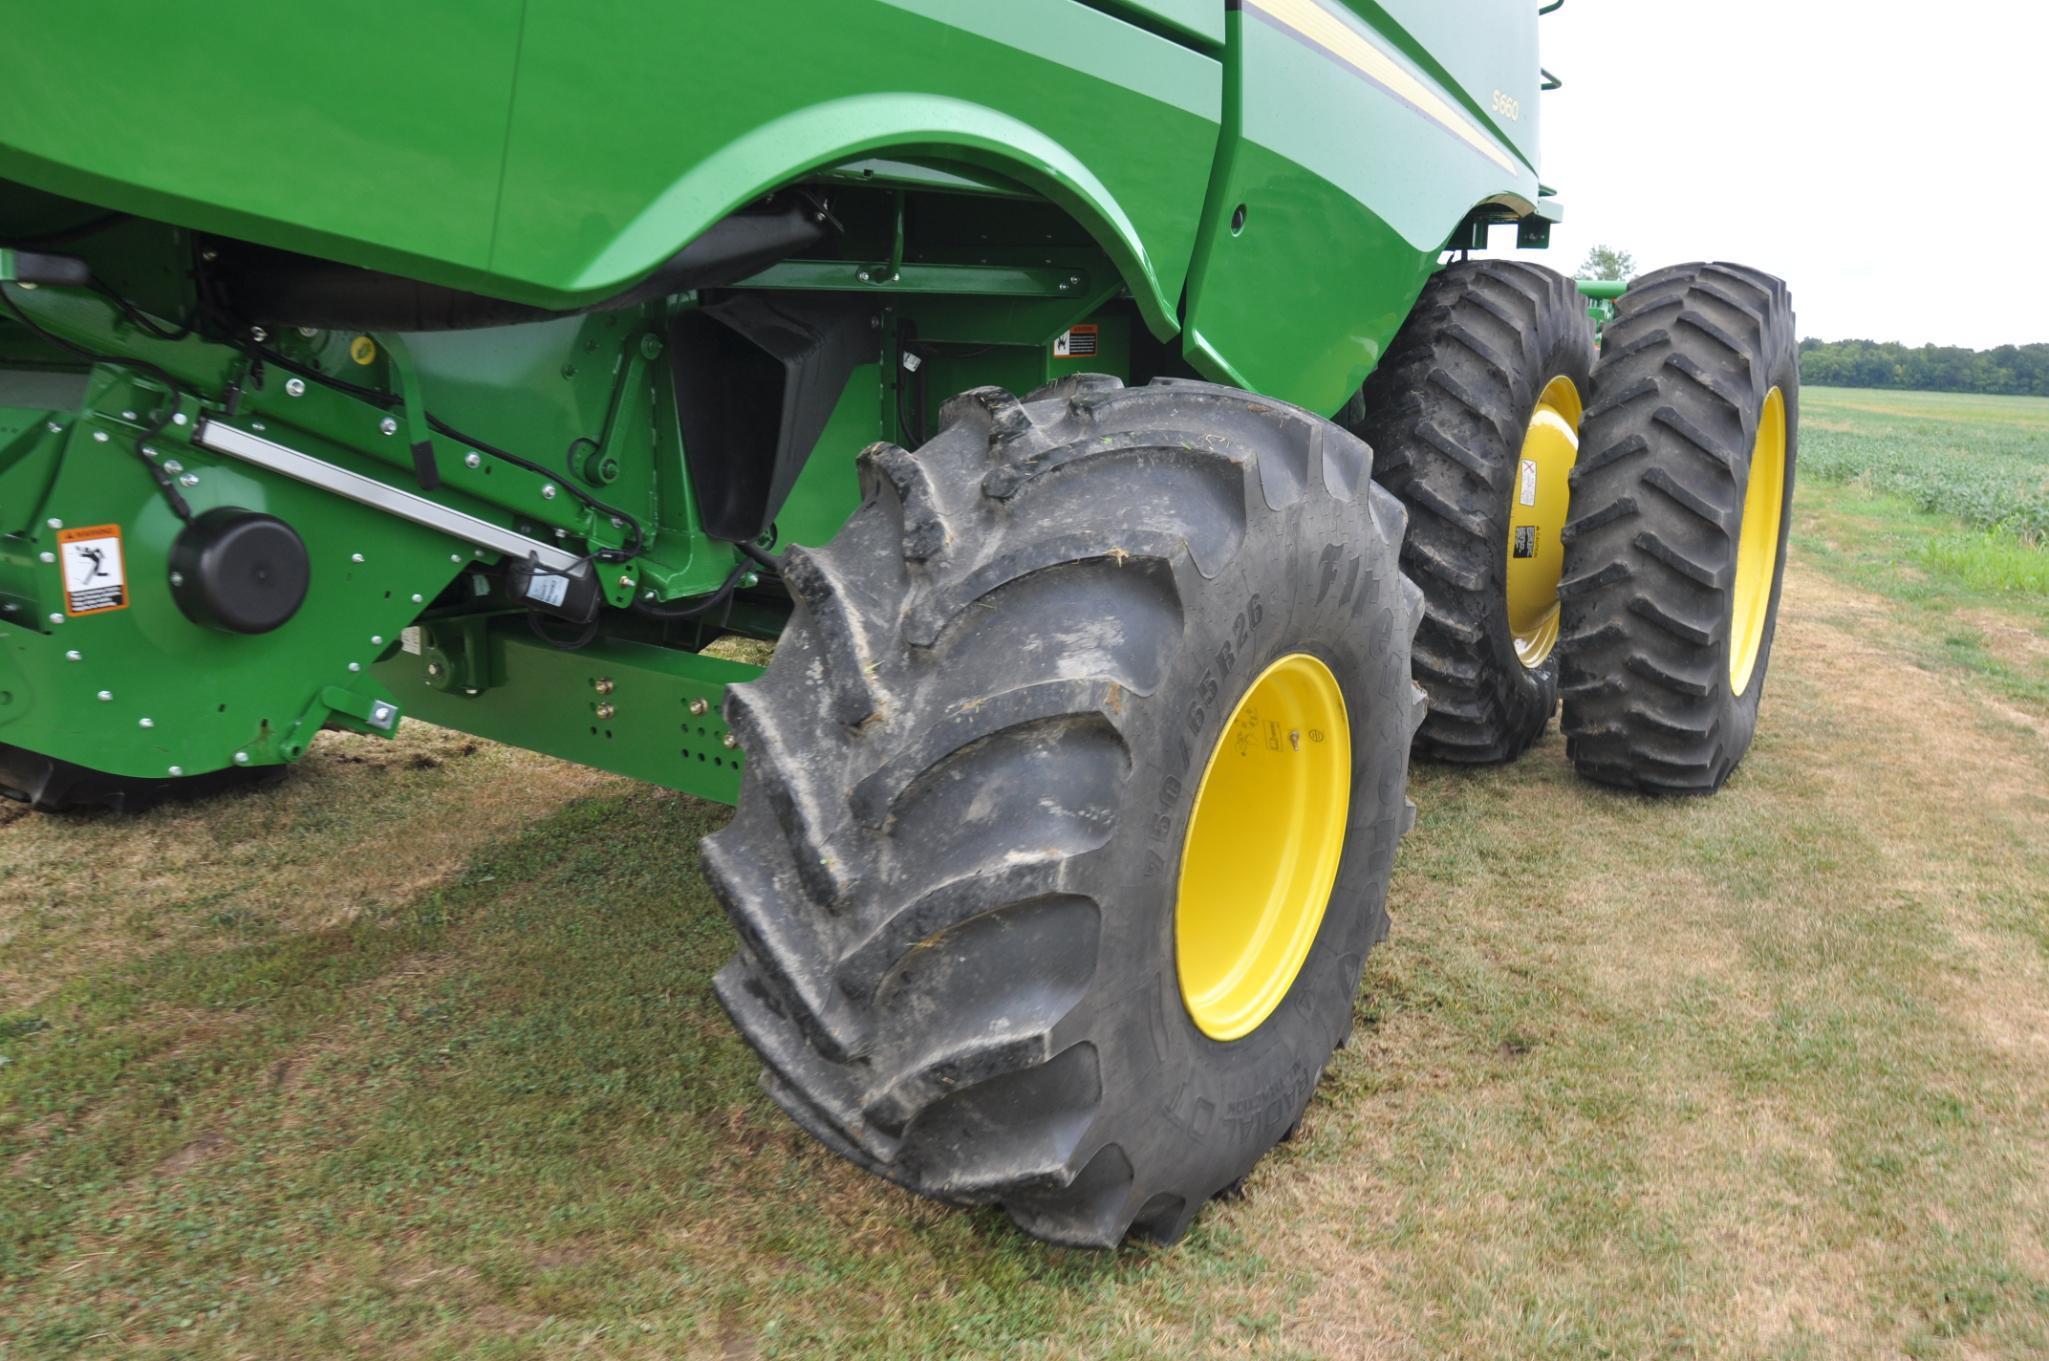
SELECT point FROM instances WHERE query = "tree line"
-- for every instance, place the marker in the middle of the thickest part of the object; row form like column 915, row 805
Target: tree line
column 2014, row 370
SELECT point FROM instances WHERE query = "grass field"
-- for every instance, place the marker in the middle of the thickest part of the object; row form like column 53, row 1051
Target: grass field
column 415, row 1055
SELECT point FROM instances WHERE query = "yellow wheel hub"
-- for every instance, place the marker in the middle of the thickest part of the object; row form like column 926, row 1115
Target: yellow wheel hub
column 1537, row 506
column 1757, row 542
column 1263, row 847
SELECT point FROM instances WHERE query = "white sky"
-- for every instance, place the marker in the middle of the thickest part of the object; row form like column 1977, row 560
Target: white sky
column 1885, row 158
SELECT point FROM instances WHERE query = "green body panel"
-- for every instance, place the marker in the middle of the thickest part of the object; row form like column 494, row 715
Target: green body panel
column 372, row 133
column 1339, row 232
column 1198, row 21
column 1113, row 123
column 1473, row 52
column 998, row 172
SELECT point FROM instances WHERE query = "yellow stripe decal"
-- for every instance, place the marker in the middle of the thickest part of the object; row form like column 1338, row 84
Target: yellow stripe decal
column 1322, row 29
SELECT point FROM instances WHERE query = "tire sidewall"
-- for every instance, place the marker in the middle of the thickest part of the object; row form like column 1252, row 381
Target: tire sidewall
column 1216, row 1106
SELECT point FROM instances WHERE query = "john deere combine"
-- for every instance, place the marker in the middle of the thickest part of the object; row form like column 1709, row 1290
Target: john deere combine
column 482, row 364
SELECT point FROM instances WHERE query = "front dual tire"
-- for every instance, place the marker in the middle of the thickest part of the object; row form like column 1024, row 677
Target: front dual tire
column 1676, row 553
column 1074, row 790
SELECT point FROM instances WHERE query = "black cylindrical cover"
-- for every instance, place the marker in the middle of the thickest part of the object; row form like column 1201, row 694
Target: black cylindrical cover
column 239, row 570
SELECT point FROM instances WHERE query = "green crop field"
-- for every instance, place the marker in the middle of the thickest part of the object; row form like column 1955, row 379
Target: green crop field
column 415, row 1054
column 1984, row 460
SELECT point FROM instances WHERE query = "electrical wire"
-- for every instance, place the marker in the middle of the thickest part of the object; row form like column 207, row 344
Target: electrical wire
column 703, row 605
column 391, row 401
column 760, row 555
column 158, row 420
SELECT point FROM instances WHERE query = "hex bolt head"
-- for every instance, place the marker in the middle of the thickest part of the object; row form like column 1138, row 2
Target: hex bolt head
column 419, row 599
column 106, row 696
column 172, row 465
column 177, row 418
column 388, row 426
column 355, row 666
column 74, row 655
column 730, row 742
column 698, row 707
column 47, row 556
column 434, row 668
column 189, row 480
column 146, row 722
column 54, row 523
column 99, row 437
column 241, row 758
column 295, row 387
column 56, row 618
column 258, row 334
column 605, row 711
column 603, row 685
column 547, row 491
column 355, row 557
column 177, row 770
column 473, row 459
column 377, row 640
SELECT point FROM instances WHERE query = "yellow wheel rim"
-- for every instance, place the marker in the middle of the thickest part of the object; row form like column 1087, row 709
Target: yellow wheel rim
column 1263, row 847
column 1536, row 517
column 1757, row 542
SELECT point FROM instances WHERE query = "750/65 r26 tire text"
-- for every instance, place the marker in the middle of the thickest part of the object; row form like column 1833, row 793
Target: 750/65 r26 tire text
column 957, row 864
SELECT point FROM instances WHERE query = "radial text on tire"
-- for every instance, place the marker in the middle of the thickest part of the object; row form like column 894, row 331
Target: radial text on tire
column 974, row 765
column 1676, row 552
column 1474, row 423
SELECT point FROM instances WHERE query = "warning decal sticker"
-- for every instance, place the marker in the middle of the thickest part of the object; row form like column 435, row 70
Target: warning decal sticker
column 1528, row 495
column 1077, row 342
column 95, row 578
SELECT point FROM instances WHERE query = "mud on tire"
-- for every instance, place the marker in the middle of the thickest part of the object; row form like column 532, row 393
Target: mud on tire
column 953, row 865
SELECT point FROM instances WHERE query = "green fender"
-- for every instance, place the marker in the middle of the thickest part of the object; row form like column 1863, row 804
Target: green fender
column 898, row 125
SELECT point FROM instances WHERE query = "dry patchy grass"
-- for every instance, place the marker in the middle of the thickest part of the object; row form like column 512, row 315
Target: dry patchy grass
column 422, row 1061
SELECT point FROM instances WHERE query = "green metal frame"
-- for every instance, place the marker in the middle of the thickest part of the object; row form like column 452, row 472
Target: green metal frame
column 1163, row 171
column 1601, row 295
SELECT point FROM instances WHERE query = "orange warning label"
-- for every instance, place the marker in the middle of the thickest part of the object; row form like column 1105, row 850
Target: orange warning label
column 95, row 577
column 1076, row 342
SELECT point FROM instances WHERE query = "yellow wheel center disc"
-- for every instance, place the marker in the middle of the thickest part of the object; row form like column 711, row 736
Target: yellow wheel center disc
column 1263, row 846
column 1757, row 542
column 1536, row 517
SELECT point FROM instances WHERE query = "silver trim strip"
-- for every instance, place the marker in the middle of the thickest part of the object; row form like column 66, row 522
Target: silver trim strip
column 368, row 491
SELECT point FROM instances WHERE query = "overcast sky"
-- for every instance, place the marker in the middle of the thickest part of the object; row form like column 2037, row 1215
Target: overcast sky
column 1885, row 158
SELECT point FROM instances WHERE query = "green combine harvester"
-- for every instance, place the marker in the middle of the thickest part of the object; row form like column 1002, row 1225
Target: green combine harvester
column 1052, row 381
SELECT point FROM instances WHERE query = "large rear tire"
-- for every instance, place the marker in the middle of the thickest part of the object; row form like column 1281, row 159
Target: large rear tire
column 1676, row 553
column 1473, row 419
column 972, row 954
